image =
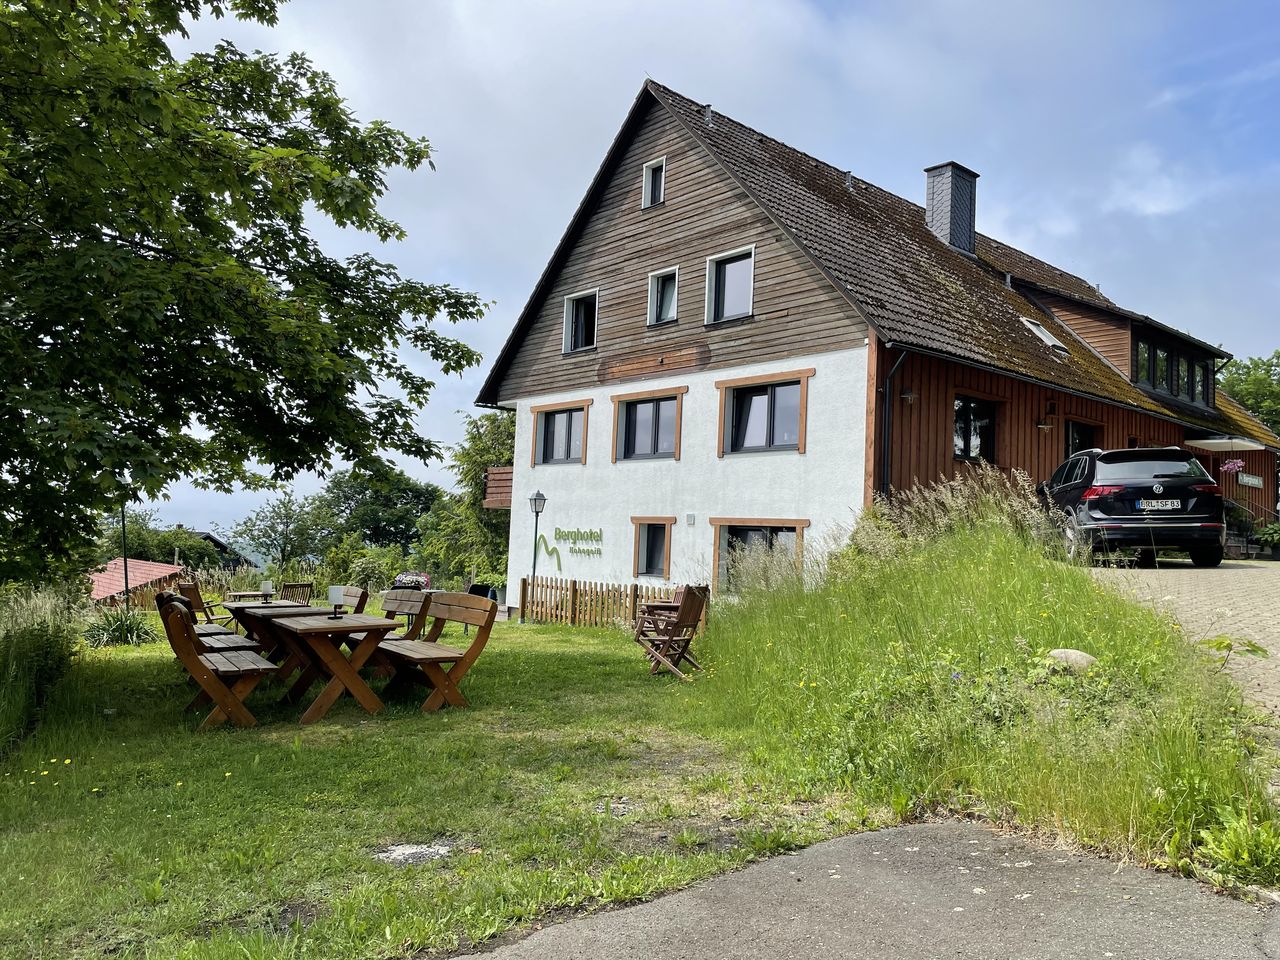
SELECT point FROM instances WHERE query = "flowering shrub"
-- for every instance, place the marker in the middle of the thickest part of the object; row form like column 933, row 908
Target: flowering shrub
column 411, row 580
column 1233, row 466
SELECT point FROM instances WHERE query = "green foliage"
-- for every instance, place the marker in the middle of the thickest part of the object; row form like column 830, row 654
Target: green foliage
column 1242, row 848
column 1255, row 385
column 282, row 530
column 120, row 627
column 460, row 535
column 1270, row 535
column 37, row 641
column 381, row 508
column 158, row 280
column 914, row 679
column 147, row 541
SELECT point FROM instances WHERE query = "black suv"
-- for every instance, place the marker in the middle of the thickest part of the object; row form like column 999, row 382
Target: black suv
column 1145, row 499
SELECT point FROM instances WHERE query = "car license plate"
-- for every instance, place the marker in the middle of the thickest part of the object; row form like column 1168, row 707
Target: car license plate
column 1159, row 504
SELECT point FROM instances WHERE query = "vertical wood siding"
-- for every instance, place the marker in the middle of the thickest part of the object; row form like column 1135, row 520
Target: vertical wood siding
column 921, row 447
column 703, row 213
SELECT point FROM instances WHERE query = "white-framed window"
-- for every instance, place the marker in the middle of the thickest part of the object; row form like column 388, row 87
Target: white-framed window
column 653, row 190
column 580, row 320
column 730, row 279
column 663, row 286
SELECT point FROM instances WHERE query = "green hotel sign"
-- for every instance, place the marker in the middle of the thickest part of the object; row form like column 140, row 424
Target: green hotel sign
column 583, row 543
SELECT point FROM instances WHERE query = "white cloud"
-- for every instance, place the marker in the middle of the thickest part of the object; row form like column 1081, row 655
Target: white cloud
column 1146, row 184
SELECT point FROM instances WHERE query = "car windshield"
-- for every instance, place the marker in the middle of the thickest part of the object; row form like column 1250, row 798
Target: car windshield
column 1148, row 468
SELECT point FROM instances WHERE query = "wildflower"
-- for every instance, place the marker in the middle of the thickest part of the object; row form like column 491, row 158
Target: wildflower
column 44, row 773
column 68, row 760
column 227, row 774
column 179, row 783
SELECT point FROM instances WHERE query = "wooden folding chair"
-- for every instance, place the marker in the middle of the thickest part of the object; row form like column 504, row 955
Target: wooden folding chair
column 422, row 661
column 297, row 592
column 666, row 638
column 209, row 636
column 225, row 678
column 191, row 591
column 662, row 607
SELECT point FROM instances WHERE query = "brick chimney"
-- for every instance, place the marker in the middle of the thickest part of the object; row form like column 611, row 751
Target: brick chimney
column 950, row 198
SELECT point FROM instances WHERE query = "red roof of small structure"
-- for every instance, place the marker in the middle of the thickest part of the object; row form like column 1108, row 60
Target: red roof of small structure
column 110, row 581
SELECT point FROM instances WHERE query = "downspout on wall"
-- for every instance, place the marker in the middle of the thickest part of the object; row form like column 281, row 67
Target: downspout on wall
column 886, row 430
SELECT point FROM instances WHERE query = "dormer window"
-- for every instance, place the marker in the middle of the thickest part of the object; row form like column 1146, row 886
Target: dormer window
column 1038, row 328
column 655, row 182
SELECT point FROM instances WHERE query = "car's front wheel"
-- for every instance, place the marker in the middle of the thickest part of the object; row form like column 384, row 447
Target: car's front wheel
column 1077, row 544
column 1208, row 556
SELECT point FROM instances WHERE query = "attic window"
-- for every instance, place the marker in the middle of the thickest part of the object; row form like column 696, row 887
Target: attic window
column 654, row 186
column 1038, row 328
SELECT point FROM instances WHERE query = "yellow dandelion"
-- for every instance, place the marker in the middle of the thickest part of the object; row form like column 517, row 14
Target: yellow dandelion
column 227, row 774
column 68, row 760
column 179, row 783
column 44, row 773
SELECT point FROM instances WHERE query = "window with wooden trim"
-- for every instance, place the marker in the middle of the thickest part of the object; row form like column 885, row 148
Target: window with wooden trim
column 751, row 541
column 580, row 320
column 649, row 428
column 663, row 286
column 1080, row 436
column 768, row 412
column 652, row 546
column 654, row 187
column 730, row 278
column 974, row 432
column 560, row 433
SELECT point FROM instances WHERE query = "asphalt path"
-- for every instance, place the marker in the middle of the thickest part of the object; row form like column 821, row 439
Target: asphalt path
column 944, row 890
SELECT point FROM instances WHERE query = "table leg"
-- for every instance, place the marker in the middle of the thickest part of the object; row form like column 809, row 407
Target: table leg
column 344, row 675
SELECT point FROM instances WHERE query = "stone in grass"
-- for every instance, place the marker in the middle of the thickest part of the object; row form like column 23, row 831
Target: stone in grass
column 1072, row 661
column 406, row 854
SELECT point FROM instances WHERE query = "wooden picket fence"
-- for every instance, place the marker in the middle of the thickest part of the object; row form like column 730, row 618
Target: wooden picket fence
column 585, row 603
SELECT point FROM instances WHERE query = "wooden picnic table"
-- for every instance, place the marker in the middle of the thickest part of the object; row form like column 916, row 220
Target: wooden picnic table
column 242, row 595
column 323, row 636
column 257, row 617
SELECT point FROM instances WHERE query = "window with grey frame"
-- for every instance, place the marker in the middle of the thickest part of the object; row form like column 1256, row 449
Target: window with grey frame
column 580, row 322
column 560, row 436
column 731, row 279
column 653, row 550
column 648, row 429
column 765, row 417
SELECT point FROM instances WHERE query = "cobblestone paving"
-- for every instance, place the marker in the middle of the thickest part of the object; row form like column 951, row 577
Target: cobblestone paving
column 1239, row 599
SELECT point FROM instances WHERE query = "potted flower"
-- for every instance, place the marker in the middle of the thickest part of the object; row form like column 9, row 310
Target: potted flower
column 1270, row 536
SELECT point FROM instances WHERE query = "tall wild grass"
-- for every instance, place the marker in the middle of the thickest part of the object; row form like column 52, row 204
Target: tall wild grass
column 915, row 676
column 39, row 633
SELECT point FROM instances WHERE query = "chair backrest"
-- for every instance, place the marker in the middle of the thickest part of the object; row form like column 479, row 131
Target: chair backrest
column 464, row 608
column 354, row 598
column 693, row 602
column 297, row 592
column 407, row 603
column 180, row 628
column 191, row 591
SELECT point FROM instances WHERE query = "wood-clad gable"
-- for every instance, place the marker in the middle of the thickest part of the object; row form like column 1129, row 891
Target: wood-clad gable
column 617, row 244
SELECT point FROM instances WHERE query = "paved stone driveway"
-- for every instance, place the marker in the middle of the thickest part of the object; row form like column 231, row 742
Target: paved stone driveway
column 1240, row 599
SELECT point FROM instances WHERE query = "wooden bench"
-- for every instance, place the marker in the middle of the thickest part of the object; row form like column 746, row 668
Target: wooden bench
column 190, row 589
column 225, row 678
column 209, row 636
column 297, row 592
column 422, row 661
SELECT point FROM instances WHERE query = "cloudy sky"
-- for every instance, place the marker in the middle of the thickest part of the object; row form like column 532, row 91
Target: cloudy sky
column 1134, row 143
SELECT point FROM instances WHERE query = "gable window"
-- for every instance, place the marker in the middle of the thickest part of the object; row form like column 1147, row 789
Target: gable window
column 1199, row 392
column 655, row 182
column 764, row 413
column 652, row 546
column 662, row 296
column 580, row 320
column 560, row 433
column 1144, row 362
column 975, row 429
column 729, row 281
column 1185, row 386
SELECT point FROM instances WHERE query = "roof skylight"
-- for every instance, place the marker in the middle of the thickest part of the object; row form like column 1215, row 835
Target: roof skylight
column 1038, row 328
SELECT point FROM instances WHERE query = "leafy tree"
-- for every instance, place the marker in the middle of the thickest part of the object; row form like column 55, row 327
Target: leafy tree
column 1255, row 384
column 192, row 551
column 460, row 534
column 382, row 508
column 157, row 275
column 281, row 530
column 147, row 541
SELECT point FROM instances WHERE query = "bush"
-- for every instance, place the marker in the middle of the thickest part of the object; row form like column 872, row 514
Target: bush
column 37, row 641
column 120, row 627
column 915, row 678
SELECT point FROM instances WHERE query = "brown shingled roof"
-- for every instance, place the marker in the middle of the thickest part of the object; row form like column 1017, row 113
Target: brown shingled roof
column 917, row 291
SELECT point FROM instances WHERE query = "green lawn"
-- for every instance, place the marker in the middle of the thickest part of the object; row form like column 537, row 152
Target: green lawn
column 908, row 685
column 123, row 831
